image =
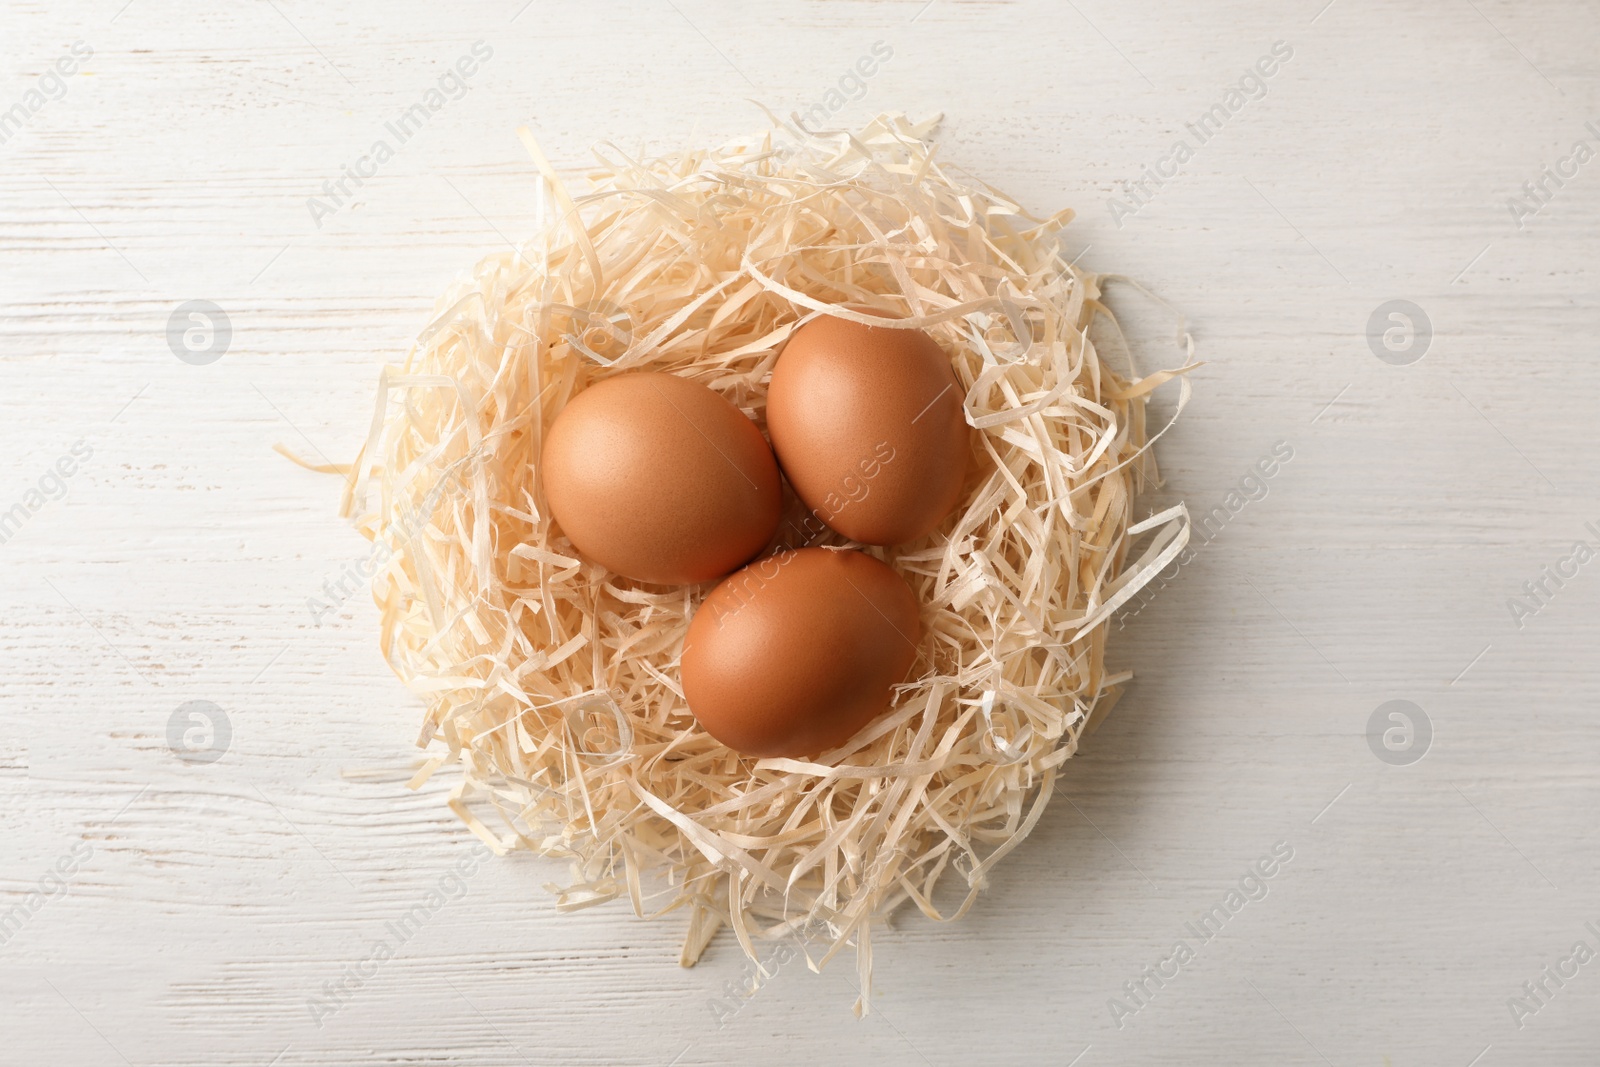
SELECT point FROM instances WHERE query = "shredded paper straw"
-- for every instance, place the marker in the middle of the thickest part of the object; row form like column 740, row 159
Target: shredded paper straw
column 554, row 683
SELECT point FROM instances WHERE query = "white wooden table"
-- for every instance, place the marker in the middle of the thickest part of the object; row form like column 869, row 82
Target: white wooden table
column 157, row 910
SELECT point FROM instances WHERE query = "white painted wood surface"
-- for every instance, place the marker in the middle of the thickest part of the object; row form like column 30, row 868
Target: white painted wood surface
column 207, row 903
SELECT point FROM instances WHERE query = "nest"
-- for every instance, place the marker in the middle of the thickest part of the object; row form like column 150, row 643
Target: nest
column 554, row 683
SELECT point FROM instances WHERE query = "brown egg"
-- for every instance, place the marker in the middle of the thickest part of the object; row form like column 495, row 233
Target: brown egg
column 660, row 479
column 795, row 653
column 868, row 425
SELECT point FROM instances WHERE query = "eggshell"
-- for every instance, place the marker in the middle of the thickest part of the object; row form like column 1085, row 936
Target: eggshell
column 795, row 653
column 868, row 425
column 660, row 479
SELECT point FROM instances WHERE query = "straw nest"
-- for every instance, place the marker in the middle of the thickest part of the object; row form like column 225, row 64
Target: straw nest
column 554, row 683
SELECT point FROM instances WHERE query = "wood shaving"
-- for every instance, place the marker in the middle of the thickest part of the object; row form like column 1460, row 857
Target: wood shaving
column 554, row 684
